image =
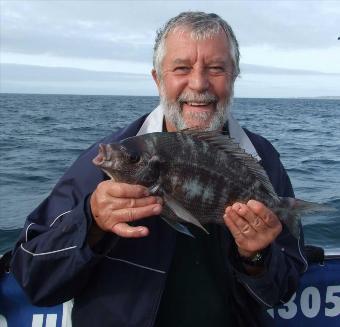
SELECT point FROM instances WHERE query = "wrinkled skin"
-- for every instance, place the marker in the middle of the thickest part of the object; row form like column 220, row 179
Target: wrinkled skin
column 192, row 66
column 253, row 226
column 114, row 205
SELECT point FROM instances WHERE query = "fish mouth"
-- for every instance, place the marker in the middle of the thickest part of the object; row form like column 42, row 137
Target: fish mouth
column 103, row 155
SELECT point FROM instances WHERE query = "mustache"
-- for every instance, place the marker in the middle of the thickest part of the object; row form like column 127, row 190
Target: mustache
column 205, row 97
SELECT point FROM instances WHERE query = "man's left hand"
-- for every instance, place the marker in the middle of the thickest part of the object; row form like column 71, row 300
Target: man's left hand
column 252, row 225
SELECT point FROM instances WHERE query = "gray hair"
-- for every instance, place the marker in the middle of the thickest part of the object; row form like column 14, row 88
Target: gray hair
column 202, row 26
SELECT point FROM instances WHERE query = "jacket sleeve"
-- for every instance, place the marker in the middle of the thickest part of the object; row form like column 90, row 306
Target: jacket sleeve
column 52, row 260
column 284, row 264
column 285, row 261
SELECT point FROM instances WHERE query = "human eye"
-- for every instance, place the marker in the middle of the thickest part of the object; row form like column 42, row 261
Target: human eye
column 182, row 69
column 216, row 69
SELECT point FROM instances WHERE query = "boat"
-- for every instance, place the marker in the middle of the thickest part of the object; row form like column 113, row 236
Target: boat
column 317, row 300
column 315, row 303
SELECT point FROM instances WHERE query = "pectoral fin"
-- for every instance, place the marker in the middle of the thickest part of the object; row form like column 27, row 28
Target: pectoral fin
column 179, row 227
column 154, row 189
column 181, row 212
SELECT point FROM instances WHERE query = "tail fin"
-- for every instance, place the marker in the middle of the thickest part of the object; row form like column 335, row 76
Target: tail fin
column 302, row 207
column 290, row 210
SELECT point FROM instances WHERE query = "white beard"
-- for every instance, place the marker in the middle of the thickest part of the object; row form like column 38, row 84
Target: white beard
column 173, row 111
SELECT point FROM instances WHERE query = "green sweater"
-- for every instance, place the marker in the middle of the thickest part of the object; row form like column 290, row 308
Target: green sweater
column 196, row 292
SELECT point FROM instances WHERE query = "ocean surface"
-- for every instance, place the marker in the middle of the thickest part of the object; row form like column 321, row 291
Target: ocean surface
column 41, row 135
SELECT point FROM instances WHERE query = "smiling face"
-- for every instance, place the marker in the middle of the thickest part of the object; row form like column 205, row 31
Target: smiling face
column 196, row 81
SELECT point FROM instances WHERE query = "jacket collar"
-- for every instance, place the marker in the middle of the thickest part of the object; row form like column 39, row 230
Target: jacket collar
column 154, row 123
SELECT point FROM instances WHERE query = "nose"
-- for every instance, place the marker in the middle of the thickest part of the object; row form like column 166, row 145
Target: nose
column 198, row 80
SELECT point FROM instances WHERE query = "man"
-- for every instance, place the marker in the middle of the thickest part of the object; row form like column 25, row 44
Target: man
column 103, row 244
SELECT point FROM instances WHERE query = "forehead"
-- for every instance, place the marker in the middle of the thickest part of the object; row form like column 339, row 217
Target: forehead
column 182, row 44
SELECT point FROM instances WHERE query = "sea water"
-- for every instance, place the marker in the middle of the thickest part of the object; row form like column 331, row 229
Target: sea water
column 41, row 135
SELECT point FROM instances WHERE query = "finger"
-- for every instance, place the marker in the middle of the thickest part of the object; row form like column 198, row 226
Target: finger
column 235, row 231
column 125, row 230
column 267, row 216
column 120, row 203
column 132, row 214
column 240, row 223
column 246, row 246
column 123, row 190
column 253, row 220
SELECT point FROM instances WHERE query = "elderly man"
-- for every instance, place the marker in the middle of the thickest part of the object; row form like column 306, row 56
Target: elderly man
column 103, row 244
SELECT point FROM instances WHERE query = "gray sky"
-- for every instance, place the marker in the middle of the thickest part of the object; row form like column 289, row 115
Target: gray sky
column 288, row 49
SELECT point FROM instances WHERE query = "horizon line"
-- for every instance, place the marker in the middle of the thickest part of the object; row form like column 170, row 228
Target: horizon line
column 327, row 97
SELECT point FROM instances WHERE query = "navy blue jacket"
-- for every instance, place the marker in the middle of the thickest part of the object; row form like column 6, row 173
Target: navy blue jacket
column 120, row 282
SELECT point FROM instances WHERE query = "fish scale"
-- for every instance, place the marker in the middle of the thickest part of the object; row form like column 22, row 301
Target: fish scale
column 198, row 174
column 197, row 192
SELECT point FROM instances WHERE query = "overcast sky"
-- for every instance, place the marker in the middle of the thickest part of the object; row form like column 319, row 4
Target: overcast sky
column 288, row 48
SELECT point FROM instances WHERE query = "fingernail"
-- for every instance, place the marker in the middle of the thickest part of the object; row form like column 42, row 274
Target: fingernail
column 157, row 209
column 146, row 192
column 236, row 206
column 143, row 231
column 159, row 200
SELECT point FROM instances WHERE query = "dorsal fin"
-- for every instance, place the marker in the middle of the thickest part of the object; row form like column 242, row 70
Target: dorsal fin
column 230, row 147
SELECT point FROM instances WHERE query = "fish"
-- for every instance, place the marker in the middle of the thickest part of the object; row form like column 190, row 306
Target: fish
column 198, row 174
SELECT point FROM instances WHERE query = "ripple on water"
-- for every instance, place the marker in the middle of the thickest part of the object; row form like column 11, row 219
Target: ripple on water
column 48, row 132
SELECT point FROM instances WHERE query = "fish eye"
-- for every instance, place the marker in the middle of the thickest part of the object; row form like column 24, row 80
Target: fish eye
column 134, row 157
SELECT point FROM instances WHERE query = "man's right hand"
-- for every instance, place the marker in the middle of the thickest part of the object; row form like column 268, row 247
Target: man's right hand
column 114, row 205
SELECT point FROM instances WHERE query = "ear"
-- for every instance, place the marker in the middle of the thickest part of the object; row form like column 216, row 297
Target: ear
column 155, row 77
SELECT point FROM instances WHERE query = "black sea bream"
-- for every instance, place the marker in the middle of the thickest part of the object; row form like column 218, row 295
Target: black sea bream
column 197, row 173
